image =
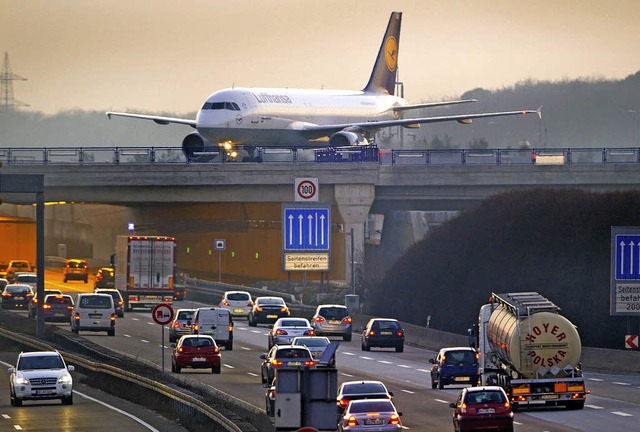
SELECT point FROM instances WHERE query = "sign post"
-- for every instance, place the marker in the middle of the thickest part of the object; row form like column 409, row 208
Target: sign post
column 220, row 245
column 162, row 314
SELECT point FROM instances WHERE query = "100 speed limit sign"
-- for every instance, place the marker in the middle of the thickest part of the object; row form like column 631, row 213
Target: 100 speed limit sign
column 306, row 189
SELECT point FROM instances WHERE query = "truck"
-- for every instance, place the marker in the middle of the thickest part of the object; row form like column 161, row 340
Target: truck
column 145, row 268
column 18, row 237
column 530, row 350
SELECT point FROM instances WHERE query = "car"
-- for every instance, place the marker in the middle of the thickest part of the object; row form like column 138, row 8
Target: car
column 94, row 312
column 27, row 278
column 57, row 307
column 16, row 266
column 284, row 356
column 181, row 324
column 316, row 344
column 76, row 269
column 118, row 302
column 16, row 296
column 197, row 352
column 215, row 322
column 369, row 415
column 332, row 320
column 270, row 398
column 3, row 283
column 454, row 365
column 3, row 270
column 356, row 390
column 239, row 303
column 179, row 293
column 285, row 329
column 267, row 310
column 104, row 278
column 33, row 304
column 482, row 408
column 383, row 333
column 40, row 375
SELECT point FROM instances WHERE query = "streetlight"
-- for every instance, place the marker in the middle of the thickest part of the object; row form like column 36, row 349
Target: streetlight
column 635, row 125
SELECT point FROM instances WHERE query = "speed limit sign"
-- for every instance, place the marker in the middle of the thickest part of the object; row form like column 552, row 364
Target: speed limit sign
column 306, row 189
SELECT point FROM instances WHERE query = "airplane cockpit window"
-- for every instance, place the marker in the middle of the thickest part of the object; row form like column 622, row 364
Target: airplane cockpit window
column 232, row 106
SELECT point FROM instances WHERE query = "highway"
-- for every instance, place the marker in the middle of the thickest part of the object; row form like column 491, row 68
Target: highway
column 614, row 403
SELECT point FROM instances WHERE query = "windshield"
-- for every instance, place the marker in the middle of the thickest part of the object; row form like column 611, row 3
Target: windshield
column 312, row 342
column 333, row 313
column 40, row 362
column 96, row 302
column 460, row 358
column 271, row 301
column 238, row 297
column 366, row 388
column 371, row 406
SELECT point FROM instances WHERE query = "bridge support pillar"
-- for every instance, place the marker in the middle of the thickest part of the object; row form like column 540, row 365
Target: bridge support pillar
column 354, row 202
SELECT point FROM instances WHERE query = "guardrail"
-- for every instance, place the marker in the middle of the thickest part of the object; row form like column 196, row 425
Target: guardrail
column 111, row 156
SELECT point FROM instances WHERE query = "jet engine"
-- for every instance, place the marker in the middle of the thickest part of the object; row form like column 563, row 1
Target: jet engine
column 346, row 138
column 197, row 148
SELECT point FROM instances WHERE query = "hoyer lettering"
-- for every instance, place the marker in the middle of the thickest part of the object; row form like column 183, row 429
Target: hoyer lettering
column 546, row 328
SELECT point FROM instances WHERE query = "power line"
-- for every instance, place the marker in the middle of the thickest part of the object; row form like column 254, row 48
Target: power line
column 6, row 86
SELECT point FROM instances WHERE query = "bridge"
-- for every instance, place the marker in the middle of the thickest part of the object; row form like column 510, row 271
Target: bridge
column 356, row 184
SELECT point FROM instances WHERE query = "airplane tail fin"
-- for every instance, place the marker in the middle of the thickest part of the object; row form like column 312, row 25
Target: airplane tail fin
column 383, row 76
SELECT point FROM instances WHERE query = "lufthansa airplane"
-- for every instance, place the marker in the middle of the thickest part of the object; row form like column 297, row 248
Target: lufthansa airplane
column 304, row 118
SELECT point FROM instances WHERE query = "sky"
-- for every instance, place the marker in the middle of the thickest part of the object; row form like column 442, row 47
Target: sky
column 167, row 56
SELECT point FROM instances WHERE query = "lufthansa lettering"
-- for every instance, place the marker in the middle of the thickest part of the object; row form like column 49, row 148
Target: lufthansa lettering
column 268, row 98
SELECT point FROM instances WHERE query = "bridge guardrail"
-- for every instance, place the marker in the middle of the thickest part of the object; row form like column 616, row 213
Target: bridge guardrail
column 112, row 156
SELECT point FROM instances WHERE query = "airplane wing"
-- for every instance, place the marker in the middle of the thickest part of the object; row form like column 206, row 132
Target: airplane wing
column 403, row 108
column 157, row 119
column 312, row 131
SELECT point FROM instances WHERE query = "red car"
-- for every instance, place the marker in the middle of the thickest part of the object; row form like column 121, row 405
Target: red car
column 196, row 351
column 482, row 408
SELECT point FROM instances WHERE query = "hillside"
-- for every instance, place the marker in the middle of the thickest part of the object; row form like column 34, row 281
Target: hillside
column 556, row 242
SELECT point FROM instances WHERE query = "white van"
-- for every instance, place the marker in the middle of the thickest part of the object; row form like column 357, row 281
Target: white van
column 94, row 312
column 215, row 322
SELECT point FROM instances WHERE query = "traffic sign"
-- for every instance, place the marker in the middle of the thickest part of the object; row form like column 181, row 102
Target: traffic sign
column 162, row 313
column 627, row 261
column 220, row 244
column 306, row 229
column 625, row 271
column 631, row 342
column 306, row 189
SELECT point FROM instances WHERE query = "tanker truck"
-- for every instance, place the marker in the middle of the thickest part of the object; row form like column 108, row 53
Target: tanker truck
column 530, row 350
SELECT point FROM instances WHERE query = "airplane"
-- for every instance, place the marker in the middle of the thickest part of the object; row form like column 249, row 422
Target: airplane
column 308, row 118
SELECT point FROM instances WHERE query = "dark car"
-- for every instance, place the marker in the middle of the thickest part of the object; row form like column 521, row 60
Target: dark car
column 16, row 296
column 57, row 307
column 356, row 390
column 179, row 293
column 455, row 365
column 118, row 302
column 198, row 352
column 76, row 269
column 33, row 309
column 332, row 320
column 284, row 356
column 383, row 333
column 482, row 408
column 104, row 278
column 267, row 310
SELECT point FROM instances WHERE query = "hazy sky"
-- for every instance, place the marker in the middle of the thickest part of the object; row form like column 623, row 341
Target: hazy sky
column 169, row 55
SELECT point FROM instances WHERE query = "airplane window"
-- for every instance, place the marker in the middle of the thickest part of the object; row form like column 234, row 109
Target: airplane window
column 235, row 106
column 213, row 105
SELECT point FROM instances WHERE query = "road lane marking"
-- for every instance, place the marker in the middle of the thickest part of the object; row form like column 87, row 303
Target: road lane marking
column 620, row 383
column 346, row 374
column 441, row 401
column 407, row 391
column 135, row 319
column 17, row 427
column 145, row 341
column 228, row 366
column 348, row 353
column 594, row 407
column 246, row 348
column 151, row 323
column 517, row 423
column 365, row 358
column 622, row 414
column 405, row 366
column 595, row 379
column 131, row 416
column 256, row 332
column 422, row 370
column 7, row 416
column 384, row 362
column 252, row 374
column 126, row 335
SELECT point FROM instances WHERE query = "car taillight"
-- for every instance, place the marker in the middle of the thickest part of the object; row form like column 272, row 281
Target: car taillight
column 46, row 306
column 276, row 362
column 6, row 294
column 463, row 408
column 70, row 308
column 394, row 419
column 281, row 332
column 352, row 421
column 120, row 303
column 372, row 333
column 98, row 278
column 225, row 303
column 309, row 333
column 259, row 308
column 309, row 363
column 320, row 319
column 250, row 304
column 168, row 299
column 113, row 317
column 216, row 350
column 344, row 403
column 180, row 350
column 284, row 309
column 175, row 324
column 231, row 328
column 77, row 317
column 399, row 333
column 196, row 327
column 347, row 320
column 133, row 298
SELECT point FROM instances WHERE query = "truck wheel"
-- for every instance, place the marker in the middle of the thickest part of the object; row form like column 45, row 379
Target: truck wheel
column 575, row 405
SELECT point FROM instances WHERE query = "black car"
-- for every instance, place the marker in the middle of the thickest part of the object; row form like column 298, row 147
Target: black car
column 104, row 278
column 267, row 310
column 384, row 333
column 16, row 296
column 57, row 307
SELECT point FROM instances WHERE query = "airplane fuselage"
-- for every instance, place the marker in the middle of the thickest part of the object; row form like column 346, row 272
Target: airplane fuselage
column 276, row 117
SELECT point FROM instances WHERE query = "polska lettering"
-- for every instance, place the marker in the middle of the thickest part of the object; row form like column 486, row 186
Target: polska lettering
column 545, row 329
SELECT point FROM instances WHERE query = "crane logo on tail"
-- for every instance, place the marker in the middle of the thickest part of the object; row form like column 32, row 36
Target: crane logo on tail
column 391, row 53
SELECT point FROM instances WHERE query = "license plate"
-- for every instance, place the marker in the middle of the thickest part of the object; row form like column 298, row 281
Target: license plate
column 95, row 315
column 19, row 298
column 199, row 359
column 462, row 378
column 238, row 310
column 375, row 421
column 486, row 411
column 294, row 363
column 550, row 396
column 386, row 333
column 43, row 392
column 272, row 316
column 334, row 322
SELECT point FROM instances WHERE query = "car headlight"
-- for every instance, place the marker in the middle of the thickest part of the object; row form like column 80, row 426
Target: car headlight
column 64, row 379
column 22, row 381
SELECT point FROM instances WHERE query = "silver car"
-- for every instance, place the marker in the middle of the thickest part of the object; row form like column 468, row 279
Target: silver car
column 370, row 414
column 181, row 324
column 285, row 329
column 332, row 320
column 239, row 303
column 316, row 344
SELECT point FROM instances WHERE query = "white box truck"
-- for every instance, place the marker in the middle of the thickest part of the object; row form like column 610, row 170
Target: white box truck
column 145, row 270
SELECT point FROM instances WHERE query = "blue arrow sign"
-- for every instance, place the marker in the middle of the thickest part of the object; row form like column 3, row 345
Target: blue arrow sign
column 306, row 229
column 627, row 259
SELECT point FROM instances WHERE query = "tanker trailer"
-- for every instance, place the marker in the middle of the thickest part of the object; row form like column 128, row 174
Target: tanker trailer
column 529, row 349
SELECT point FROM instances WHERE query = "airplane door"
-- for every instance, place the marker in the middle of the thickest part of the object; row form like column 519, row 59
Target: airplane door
column 252, row 106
